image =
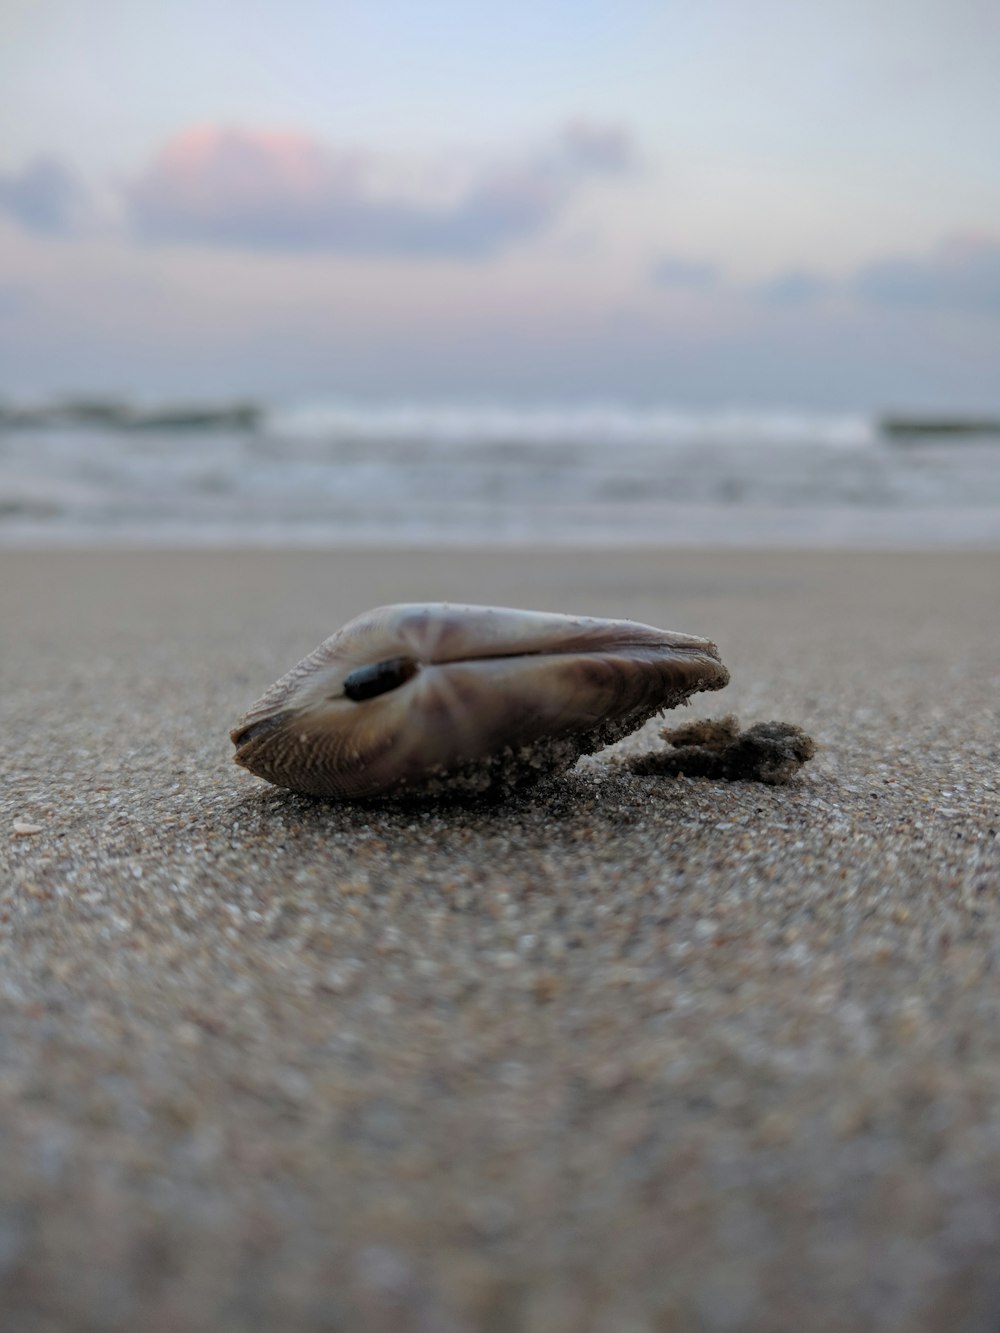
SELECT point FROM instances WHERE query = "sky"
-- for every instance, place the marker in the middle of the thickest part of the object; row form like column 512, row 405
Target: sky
column 712, row 203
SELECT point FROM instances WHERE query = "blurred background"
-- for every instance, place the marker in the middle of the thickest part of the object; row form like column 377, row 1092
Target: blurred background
column 568, row 272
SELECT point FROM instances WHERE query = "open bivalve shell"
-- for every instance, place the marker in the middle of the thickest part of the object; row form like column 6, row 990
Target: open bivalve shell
column 426, row 698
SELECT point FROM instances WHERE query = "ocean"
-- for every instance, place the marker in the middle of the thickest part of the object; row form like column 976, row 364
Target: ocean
column 338, row 474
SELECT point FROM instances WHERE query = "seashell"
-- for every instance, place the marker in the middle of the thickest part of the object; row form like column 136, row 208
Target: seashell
column 426, row 698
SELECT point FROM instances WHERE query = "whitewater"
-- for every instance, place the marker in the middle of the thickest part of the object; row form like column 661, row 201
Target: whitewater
column 328, row 474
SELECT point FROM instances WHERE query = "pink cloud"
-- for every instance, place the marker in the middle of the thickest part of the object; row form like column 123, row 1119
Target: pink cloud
column 284, row 190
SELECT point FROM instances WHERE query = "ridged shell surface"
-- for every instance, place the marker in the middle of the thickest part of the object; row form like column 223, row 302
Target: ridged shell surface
column 422, row 697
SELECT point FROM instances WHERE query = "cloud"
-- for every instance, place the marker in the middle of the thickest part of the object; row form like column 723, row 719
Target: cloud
column 586, row 147
column 44, row 197
column 961, row 274
column 691, row 275
column 795, row 288
column 279, row 190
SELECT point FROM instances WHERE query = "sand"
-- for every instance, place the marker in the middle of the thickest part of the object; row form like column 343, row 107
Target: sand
column 632, row 1054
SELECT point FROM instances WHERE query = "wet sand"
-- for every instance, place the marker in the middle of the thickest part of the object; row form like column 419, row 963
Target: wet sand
column 629, row 1054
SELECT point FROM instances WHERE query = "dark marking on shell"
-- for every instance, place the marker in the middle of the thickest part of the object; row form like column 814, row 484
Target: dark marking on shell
column 368, row 682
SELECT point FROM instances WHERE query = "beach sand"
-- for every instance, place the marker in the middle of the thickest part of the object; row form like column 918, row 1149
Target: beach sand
column 629, row 1055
